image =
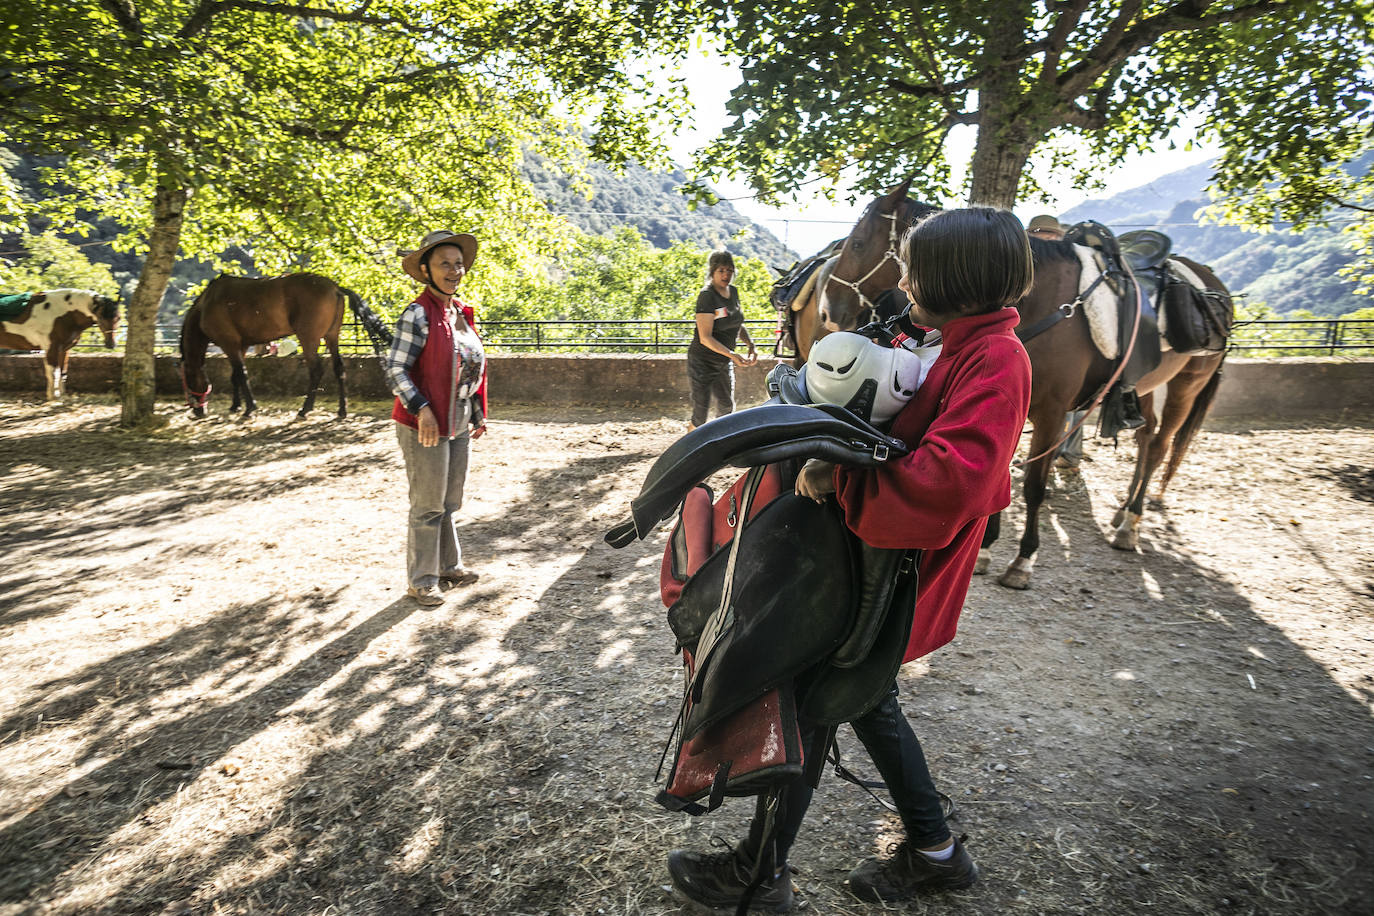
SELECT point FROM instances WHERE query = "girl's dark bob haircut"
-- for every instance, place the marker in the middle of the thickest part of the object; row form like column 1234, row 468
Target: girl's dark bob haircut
column 721, row 258
column 966, row 262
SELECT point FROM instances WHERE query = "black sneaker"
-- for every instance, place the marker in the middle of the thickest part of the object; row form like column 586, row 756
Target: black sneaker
column 718, row 880
column 908, row 872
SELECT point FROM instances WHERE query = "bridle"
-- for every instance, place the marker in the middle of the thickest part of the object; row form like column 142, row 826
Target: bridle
column 900, row 219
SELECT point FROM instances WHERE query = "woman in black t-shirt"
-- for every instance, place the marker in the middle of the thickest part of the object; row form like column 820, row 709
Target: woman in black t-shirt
column 711, row 357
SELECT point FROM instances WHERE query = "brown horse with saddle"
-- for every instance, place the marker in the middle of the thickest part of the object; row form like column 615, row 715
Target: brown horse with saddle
column 236, row 313
column 1076, row 362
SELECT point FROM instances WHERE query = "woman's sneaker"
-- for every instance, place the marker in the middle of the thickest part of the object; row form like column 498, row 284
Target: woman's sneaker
column 718, row 880
column 907, row 872
column 426, row 596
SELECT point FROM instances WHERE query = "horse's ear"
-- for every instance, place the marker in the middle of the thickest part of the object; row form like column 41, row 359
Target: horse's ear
column 897, row 193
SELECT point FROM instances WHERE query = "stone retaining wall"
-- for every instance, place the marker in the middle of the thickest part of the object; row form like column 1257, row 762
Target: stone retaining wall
column 1279, row 389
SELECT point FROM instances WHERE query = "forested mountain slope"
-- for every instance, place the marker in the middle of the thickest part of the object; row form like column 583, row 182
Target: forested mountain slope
column 1281, row 269
column 650, row 202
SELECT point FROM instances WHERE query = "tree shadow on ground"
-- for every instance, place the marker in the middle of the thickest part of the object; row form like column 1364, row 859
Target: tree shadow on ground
column 495, row 755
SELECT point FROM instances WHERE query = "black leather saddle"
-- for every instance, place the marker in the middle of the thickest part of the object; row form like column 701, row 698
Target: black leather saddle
column 760, row 435
column 1147, row 252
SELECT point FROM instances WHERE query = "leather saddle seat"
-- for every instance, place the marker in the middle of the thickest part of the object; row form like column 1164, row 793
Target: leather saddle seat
column 759, row 435
column 1147, row 252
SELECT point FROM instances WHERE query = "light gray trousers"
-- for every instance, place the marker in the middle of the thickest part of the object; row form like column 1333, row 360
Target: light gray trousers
column 436, row 476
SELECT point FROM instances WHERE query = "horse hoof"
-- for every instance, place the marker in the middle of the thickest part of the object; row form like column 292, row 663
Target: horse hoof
column 235, row 409
column 197, row 414
column 1018, row 574
column 1126, row 540
column 301, row 415
column 1119, row 517
column 1019, row 579
column 980, row 568
column 1127, row 534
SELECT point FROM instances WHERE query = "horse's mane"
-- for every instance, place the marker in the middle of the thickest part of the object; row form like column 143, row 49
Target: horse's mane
column 1045, row 251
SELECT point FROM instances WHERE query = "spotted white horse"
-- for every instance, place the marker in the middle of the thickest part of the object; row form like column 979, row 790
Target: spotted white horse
column 53, row 322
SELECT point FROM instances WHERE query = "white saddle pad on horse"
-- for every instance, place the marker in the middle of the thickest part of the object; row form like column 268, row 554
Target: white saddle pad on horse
column 1100, row 306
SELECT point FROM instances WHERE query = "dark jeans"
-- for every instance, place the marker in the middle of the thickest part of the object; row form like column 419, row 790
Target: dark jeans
column 710, row 377
column 890, row 742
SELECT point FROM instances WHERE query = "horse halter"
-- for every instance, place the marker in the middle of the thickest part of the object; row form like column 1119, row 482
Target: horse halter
column 195, row 398
column 893, row 238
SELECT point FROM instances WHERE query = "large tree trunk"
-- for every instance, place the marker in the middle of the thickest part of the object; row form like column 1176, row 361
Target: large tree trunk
column 139, row 384
column 1008, row 118
column 998, row 160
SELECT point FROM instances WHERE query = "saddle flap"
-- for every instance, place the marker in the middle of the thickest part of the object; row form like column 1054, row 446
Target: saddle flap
column 793, row 598
column 878, row 569
column 834, row 695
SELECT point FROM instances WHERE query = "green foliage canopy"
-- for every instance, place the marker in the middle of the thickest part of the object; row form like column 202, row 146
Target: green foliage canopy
column 870, row 92
column 316, row 134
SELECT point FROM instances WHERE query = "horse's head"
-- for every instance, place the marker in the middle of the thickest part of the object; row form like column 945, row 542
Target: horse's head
column 106, row 312
column 192, row 346
column 867, row 264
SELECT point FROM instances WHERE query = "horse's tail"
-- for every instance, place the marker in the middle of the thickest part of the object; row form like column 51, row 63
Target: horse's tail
column 1184, row 437
column 372, row 323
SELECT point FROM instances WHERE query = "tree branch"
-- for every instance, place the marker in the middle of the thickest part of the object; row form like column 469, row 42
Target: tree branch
column 125, row 15
column 1071, row 12
column 1347, row 205
column 928, row 90
column 1185, row 16
column 209, row 9
column 1077, row 116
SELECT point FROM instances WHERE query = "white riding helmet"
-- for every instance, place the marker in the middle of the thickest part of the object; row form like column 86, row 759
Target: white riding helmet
column 866, row 378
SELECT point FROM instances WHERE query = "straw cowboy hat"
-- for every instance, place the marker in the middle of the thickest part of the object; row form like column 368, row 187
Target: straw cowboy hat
column 1047, row 222
column 410, row 260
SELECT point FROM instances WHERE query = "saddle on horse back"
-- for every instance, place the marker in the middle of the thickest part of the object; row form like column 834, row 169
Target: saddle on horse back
column 792, row 291
column 1136, row 326
column 1194, row 318
column 787, row 623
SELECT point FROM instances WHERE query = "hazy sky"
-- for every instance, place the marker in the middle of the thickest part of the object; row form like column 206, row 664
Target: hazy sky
column 810, row 225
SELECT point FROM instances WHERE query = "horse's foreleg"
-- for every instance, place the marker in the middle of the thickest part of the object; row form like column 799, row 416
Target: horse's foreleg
column 234, row 380
column 239, row 379
column 1045, row 431
column 990, row 535
column 1018, row 574
column 312, row 360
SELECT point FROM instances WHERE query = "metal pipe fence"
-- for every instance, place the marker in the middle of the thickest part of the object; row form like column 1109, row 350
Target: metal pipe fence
column 1268, row 337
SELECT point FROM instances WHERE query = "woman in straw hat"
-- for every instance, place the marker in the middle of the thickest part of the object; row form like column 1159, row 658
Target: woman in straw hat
column 437, row 369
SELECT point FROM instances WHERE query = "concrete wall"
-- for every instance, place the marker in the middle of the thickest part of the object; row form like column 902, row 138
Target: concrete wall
column 1279, row 389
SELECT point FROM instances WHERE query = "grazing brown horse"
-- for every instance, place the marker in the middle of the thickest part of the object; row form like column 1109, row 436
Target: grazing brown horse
column 1067, row 370
column 236, row 313
column 54, row 321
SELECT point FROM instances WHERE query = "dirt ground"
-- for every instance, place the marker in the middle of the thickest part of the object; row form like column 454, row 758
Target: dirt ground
column 217, row 699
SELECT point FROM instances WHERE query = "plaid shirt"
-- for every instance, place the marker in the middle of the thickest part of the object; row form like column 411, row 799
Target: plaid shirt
column 412, row 330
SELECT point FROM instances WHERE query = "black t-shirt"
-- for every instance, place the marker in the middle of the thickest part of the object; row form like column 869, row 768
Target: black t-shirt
column 729, row 318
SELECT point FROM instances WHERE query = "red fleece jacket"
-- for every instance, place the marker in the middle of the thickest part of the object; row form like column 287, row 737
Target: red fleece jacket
column 965, row 421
